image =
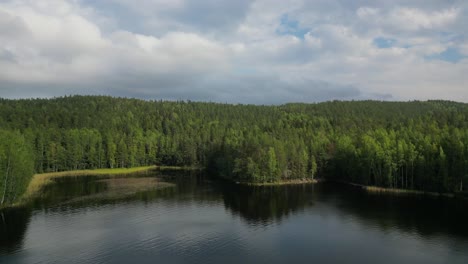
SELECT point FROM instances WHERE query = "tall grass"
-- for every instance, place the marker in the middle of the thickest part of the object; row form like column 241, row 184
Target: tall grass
column 39, row 181
column 283, row 182
column 374, row 189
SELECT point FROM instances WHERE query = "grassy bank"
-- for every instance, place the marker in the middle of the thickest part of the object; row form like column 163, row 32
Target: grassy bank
column 405, row 191
column 283, row 182
column 375, row 189
column 39, row 181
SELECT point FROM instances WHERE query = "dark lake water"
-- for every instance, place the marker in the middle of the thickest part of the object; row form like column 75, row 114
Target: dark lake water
column 199, row 220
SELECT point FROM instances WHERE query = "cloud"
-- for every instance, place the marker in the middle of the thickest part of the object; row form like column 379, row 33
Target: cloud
column 416, row 19
column 367, row 12
column 160, row 16
column 68, row 47
column 262, row 51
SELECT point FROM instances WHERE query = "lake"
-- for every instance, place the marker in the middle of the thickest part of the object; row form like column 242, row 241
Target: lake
column 196, row 219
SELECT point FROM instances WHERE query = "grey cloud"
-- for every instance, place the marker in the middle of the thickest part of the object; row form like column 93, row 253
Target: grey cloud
column 150, row 17
column 8, row 56
column 213, row 15
column 12, row 27
column 265, row 89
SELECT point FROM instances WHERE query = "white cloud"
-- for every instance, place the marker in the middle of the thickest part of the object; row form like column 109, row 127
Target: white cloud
column 367, row 12
column 61, row 46
column 415, row 19
column 408, row 18
column 313, row 42
column 464, row 48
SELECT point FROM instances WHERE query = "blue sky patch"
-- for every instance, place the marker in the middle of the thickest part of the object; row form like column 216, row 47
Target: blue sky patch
column 290, row 26
column 450, row 55
column 384, row 43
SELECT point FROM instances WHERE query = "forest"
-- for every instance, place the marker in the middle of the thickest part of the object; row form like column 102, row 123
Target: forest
column 409, row 145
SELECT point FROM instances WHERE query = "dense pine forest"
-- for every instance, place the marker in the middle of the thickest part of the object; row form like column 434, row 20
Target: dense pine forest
column 410, row 145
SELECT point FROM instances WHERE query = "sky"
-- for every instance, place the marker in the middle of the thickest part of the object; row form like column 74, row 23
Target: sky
column 259, row 51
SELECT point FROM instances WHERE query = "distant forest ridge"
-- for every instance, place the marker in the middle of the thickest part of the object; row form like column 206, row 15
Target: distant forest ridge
column 411, row 145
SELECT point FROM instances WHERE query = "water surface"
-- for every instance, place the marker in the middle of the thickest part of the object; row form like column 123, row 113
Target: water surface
column 199, row 220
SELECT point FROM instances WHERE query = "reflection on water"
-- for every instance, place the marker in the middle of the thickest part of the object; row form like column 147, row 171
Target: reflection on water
column 13, row 224
column 200, row 220
column 427, row 216
column 267, row 204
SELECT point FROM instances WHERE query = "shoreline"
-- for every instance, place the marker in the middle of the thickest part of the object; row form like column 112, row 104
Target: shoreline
column 376, row 189
column 40, row 181
column 280, row 183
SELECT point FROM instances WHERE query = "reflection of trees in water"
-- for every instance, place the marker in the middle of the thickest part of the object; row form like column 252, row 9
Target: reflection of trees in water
column 264, row 204
column 75, row 193
column 427, row 216
column 65, row 189
column 13, row 226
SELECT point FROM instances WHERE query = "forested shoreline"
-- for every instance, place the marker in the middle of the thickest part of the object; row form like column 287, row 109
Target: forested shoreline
column 406, row 145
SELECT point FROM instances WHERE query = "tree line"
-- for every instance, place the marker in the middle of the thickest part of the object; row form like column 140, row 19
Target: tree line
column 413, row 145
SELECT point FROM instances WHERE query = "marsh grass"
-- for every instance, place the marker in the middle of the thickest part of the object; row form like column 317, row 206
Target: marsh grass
column 374, row 189
column 284, row 182
column 377, row 190
column 40, row 181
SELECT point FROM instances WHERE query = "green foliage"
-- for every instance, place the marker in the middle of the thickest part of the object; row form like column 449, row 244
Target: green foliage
column 411, row 145
column 16, row 166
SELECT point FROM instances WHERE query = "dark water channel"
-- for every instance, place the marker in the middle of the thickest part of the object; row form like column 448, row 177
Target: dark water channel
column 198, row 220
